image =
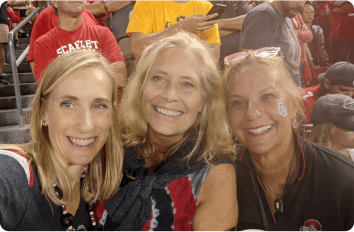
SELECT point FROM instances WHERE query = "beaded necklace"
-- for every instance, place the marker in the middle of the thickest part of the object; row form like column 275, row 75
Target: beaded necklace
column 67, row 218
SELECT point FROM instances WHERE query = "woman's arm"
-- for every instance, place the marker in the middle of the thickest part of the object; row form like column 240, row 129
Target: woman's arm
column 217, row 207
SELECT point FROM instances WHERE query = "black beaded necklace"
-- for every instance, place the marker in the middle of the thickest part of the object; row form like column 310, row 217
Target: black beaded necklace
column 67, row 218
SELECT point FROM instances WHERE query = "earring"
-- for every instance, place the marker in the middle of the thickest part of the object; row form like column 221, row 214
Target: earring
column 44, row 124
column 294, row 123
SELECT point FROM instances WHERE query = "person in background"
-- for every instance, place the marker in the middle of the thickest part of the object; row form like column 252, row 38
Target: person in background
column 4, row 32
column 339, row 79
column 304, row 35
column 269, row 25
column 341, row 38
column 323, row 19
column 333, row 123
column 283, row 180
column 20, row 6
column 230, row 24
column 75, row 155
column 47, row 20
column 118, row 23
column 72, row 34
column 177, row 143
column 154, row 20
column 317, row 46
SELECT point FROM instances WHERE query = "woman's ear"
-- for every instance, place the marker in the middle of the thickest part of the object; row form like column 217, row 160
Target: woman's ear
column 44, row 120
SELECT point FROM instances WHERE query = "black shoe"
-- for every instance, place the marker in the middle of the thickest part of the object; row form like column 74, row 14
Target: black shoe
column 17, row 44
column 3, row 81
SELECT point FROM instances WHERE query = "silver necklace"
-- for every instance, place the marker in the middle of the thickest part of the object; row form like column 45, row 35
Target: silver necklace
column 279, row 204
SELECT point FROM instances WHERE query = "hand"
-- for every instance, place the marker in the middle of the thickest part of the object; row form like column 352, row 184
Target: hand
column 198, row 23
column 312, row 65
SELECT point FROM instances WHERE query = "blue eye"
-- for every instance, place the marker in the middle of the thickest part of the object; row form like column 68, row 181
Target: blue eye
column 188, row 85
column 67, row 105
column 157, row 78
column 100, row 106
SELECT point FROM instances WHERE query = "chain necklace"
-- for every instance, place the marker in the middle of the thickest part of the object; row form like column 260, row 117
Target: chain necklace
column 279, row 205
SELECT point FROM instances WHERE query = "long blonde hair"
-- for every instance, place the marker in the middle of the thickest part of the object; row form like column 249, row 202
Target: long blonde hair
column 277, row 70
column 103, row 174
column 323, row 134
column 211, row 127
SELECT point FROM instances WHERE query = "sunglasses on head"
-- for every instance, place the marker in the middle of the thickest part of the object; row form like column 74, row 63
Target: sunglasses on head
column 262, row 52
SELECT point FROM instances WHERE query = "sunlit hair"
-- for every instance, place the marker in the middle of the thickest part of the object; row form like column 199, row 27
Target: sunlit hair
column 323, row 134
column 277, row 70
column 211, row 127
column 103, row 174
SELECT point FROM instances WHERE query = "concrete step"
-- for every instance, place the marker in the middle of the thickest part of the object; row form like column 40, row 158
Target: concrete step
column 14, row 134
column 10, row 117
column 22, row 47
column 24, row 40
column 26, row 89
column 23, row 77
column 22, row 68
column 18, row 53
column 10, row 102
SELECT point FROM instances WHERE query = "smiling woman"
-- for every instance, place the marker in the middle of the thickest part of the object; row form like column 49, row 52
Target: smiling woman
column 177, row 143
column 282, row 179
column 75, row 155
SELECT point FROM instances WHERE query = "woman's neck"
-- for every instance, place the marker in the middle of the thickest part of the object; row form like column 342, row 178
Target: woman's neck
column 309, row 25
column 163, row 141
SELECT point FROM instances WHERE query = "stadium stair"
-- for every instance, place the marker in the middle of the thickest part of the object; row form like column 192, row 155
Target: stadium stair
column 10, row 131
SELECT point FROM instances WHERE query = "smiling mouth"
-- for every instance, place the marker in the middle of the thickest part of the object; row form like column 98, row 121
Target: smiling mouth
column 168, row 112
column 260, row 130
column 82, row 142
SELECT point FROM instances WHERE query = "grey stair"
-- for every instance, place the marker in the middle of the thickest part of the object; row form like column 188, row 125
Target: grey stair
column 23, row 77
column 10, row 117
column 9, row 90
column 24, row 40
column 10, row 102
column 14, row 134
column 22, row 68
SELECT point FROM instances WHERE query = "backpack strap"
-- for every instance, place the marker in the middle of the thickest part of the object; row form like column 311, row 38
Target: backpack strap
column 23, row 161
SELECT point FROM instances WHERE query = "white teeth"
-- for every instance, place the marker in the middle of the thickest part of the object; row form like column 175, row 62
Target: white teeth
column 82, row 142
column 259, row 130
column 168, row 112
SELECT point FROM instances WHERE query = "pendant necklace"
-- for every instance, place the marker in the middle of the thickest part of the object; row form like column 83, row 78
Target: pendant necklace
column 279, row 201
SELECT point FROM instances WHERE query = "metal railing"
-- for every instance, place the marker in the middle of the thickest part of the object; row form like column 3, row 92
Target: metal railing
column 15, row 63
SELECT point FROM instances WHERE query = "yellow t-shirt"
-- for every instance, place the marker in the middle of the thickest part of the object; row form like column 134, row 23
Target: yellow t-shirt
column 154, row 16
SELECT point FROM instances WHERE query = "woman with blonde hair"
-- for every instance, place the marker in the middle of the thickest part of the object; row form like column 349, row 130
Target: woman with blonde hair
column 333, row 123
column 74, row 157
column 177, row 141
column 284, row 181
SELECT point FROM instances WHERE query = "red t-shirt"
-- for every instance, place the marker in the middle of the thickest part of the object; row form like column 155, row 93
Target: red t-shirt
column 46, row 21
column 342, row 24
column 310, row 97
column 58, row 41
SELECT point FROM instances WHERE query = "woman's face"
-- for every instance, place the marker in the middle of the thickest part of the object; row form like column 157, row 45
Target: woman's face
column 256, row 110
column 173, row 96
column 342, row 139
column 78, row 115
column 308, row 14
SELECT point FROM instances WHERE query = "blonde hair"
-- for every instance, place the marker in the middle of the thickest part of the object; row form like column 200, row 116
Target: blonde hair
column 277, row 70
column 323, row 134
column 103, row 174
column 211, row 127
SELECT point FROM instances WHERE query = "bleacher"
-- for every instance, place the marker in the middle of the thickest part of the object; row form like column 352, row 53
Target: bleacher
column 10, row 130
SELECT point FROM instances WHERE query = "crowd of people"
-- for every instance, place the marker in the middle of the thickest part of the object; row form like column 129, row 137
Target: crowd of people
column 155, row 115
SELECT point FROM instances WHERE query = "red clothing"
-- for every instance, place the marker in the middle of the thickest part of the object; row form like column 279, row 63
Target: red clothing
column 14, row 17
column 306, row 34
column 322, row 11
column 342, row 24
column 59, row 41
column 101, row 19
column 46, row 21
column 310, row 97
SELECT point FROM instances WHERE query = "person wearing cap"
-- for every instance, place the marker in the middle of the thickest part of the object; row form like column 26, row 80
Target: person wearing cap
column 333, row 119
column 339, row 79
